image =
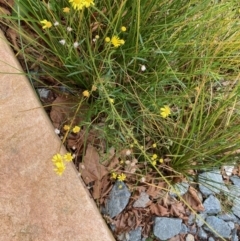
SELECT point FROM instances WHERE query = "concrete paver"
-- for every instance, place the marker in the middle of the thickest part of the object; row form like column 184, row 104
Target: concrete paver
column 35, row 203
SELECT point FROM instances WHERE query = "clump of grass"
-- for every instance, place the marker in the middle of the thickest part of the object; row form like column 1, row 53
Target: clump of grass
column 164, row 73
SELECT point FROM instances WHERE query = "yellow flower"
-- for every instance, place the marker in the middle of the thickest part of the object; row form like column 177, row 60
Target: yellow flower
column 116, row 41
column 46, row 24
column 111, row 100
column 154, row 162
column 88, row 3
column 66, row 127
column 154, row 145
column 107, row 39
column 86, row 93
column 97, row 37
column 76, row 129
column 60, row 167
column 154, row 157
column 66, row 10
column 123, row 29
column 79, row 4
column 122, row 41
column 68, row 157
column 57, row 158
column 94, row 88
column 161, row 160
column 121, row 177
column 122, row 162
column 165, row 111
column 114, row 175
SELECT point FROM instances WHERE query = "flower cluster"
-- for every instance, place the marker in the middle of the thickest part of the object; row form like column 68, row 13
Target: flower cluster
column 75, row 129
column 115, row 41
column 80, row 4
column 120, row 177
column 58, row 161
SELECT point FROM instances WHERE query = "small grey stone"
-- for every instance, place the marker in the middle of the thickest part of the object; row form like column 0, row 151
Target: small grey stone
column 202, row 234
column 234, row 191
column 43, row 93
column 228, row 217
column 184, row 229
column 234, row 235
column 181, row 188
column 236, row 207
column 141, row 201
column 135, row 235
column 211, row 239
column 211, row 182
column 191, row 219
column 235, row 180
column 231, row 225
column 212, row 205
column 192, row 229
column 218, row 225
column 118, row 199
column 200, row 219
column 166, row 228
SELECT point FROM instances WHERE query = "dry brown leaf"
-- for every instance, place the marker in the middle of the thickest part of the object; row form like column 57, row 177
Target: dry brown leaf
column 96, row 194
column 62, row 110
column 91, row 170
column 194, row 194
column 155, row 190
column 193, row 200
column 159, row 210
column 177, row 209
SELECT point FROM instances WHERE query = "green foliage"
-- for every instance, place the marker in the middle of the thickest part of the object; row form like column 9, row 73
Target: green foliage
column 191, row 53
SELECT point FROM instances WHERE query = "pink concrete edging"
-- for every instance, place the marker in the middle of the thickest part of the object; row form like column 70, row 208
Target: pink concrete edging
column 35, row 203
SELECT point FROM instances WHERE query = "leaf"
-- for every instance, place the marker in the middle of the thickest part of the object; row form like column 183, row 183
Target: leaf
column 62, row 110
column 91, row 169
column 193, row 200
column 159, row 210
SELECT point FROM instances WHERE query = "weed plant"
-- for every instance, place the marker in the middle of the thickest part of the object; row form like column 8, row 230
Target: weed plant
column 167, row 85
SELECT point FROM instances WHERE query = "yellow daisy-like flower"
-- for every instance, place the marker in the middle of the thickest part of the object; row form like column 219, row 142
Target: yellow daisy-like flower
column 57, row 158
column 86, row 93
column 161, row 160
column 88, row 3
column 165, row 111
column 46, row 24
column 154, row 145
column 107, row 39
column 154, row 162
column 154, row 157
column 77, row 4
column 76, row 129
column 66, row 127
column 116, row 41
column 121, row 177
column 66, row 10
column 114, row 175
column 68, row 157
column 111, row 100
column 123, row 29
column 60, row 167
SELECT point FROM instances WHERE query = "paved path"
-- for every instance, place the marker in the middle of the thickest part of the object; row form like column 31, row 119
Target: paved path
column 35, row 203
